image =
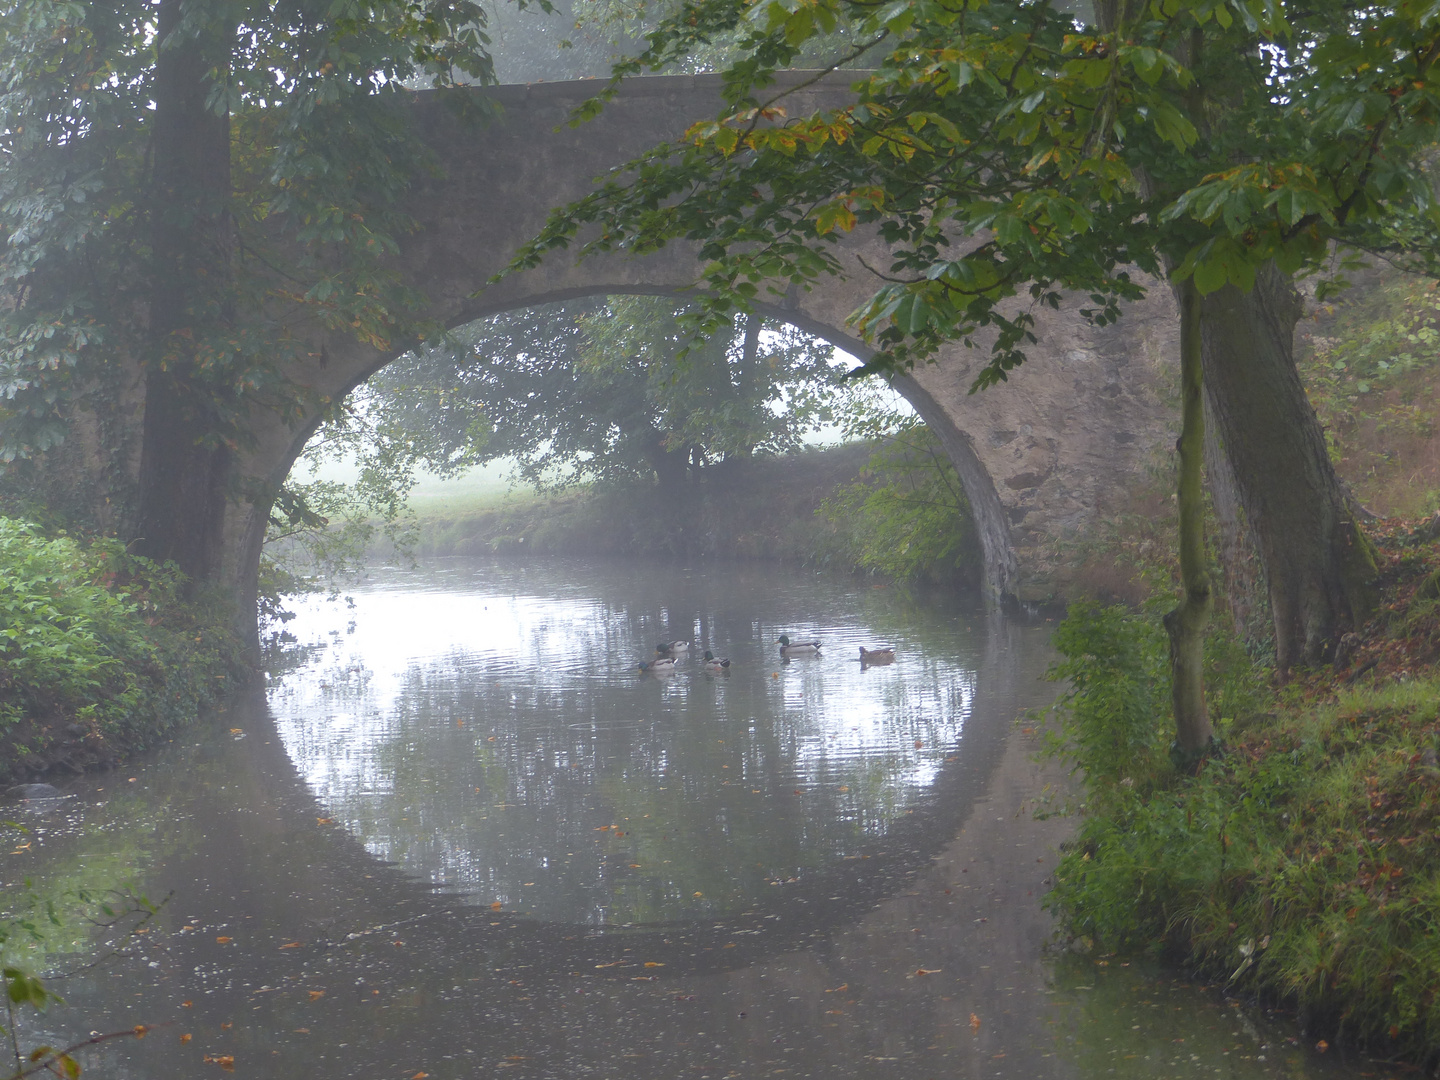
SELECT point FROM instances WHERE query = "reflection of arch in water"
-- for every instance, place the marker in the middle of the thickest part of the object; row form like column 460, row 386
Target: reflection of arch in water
column 1029, row 479
column 290, row 926
column 258, row 817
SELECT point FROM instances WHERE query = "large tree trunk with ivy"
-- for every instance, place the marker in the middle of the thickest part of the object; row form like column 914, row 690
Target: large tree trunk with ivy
column 184, row 461
column 1319, row 568
column 1187, row 622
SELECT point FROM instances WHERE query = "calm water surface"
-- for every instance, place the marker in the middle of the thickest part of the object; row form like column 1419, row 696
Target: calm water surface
column 460, row 835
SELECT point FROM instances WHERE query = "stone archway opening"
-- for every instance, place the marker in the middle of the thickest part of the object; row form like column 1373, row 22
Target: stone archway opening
column 781, row 329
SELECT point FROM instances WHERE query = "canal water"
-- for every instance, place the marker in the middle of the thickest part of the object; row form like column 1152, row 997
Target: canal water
column 459, row 834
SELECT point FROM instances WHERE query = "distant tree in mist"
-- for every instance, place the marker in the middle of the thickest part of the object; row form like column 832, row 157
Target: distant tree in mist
column 609, row 391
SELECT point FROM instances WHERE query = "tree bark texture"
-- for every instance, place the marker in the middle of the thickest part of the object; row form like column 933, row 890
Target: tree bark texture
column 1244, row 578
column 1319, row 567
column 184, row 462
column 1186, row 623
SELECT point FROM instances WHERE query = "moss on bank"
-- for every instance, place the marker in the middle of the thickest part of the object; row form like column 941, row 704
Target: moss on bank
column 100, row 654
column 1302, row 863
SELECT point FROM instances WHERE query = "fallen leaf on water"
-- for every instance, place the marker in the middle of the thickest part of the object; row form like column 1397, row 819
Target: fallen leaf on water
column 729, row 945
column 302, row 1031
column 316, row 995
column 185, row 1038
column 397, row 943
column 974, row 1022
column 186, row 1004
column 697, row 895
column 918, row 744
column 496, row 906
column 324, row 821
column 223, row 940
column 225, row 1061
column 227, row 1025
column 842, row 986
column 291, row 945
column 420, row 1076
column 140, row 1031
column 527, row 884
column 844, row 788
column 634, row 866
column 237, row 731
column 1322, row 1046
column 928, row 971
column 612, row 963
column 653, row 963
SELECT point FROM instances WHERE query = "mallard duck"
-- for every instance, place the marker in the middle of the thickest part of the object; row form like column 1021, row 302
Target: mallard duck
column 797, row 648
column 714, row 663
column 663, row 665
column 670, row 648
column 884, row 654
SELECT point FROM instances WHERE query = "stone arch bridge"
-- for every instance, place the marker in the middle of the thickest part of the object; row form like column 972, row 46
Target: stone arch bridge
column 1042, row 456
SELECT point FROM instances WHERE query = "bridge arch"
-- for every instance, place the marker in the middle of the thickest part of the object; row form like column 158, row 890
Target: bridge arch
column 1039, row 456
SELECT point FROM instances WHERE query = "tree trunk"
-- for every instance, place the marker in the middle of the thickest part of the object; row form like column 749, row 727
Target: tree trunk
column 1186, row 623
column 1319, row 567
column 672, row 467
column 1239, row 553
column 184, row 463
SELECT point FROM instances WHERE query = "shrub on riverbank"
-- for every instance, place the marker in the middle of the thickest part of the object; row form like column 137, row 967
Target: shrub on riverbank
column 1302, row 863
column 99, row 652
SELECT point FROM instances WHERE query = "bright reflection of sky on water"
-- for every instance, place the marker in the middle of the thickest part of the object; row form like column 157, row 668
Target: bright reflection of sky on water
column 485, row 726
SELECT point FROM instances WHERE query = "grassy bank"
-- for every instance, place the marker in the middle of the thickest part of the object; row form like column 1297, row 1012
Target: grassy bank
column 764, row 508
column 99, row 652
column 1301, row 864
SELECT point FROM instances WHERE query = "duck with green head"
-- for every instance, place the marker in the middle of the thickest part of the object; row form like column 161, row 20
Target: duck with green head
column 663, row 665
column 715, row 663
column 797, row 648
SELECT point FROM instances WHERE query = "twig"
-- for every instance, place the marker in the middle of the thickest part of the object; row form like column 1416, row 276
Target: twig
column 139, row 1031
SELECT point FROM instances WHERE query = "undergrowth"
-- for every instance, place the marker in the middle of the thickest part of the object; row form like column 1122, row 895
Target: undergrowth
column 99, row 651
column 1302, row 863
